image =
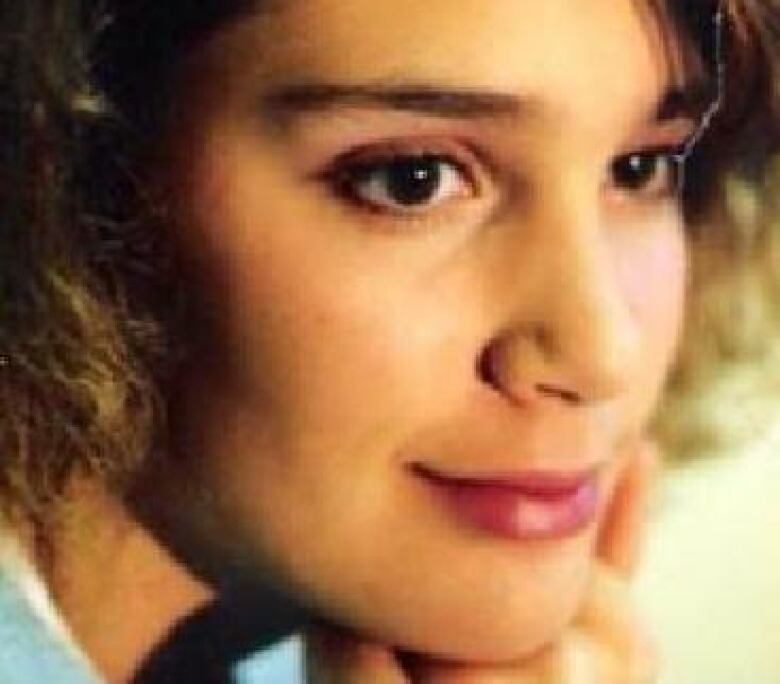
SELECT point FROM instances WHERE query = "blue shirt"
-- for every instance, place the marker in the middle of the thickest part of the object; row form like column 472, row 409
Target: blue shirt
column 30, row 651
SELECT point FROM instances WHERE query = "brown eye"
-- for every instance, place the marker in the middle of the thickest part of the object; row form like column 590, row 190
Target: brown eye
column 649, row 172
column 405, row 182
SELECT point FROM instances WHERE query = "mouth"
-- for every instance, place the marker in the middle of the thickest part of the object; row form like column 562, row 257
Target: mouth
column 524, row 506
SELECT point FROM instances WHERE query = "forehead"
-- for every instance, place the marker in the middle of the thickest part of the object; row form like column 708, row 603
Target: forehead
column 570, row 54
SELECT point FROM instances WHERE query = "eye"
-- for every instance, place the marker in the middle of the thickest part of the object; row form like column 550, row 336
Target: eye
column 403, row 182
column 653, row 173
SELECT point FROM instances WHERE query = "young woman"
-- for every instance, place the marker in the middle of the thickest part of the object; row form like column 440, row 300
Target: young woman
column 365, row 302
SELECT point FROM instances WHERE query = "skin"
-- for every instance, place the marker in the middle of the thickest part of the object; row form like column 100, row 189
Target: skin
column 523, row 320
column 604, row 645
column 344, row 340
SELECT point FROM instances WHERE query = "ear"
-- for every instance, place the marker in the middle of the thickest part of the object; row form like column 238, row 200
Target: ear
column 624, row 523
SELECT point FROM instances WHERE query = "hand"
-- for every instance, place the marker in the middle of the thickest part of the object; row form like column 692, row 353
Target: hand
column 604, row 645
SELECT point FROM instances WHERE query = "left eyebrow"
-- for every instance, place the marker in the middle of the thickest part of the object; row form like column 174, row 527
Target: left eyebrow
column 422, row 99
column 694, row 100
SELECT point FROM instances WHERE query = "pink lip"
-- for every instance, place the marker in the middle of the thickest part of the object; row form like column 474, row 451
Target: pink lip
column 521, row 506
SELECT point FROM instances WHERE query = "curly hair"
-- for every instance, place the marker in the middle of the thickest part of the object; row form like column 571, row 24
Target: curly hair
column 87, row 343
column 723, row 394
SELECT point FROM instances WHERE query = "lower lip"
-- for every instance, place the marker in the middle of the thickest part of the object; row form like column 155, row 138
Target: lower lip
column 518, row 511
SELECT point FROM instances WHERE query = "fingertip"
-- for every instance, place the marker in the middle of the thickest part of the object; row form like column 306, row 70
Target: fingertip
column 623, row 525
column 336, row 656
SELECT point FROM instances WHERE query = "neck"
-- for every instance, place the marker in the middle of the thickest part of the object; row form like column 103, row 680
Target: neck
column 104, row 563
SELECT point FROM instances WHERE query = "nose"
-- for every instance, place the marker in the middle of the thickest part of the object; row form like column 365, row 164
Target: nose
column 571, row 335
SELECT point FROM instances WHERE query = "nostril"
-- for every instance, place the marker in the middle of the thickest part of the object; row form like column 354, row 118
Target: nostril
column 558, row 392
column 520, row 374
column 486, row 370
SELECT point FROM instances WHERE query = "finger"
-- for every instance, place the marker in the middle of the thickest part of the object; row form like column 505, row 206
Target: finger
column 623, row 525
column 608, row 618
column 582, row 660
column 543, row 668
column 585, row 660
column 576, row 658
column 607, row 612
column 334, row 656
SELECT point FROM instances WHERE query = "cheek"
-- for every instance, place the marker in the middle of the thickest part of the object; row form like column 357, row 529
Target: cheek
column 323, row 330
column 651, row 266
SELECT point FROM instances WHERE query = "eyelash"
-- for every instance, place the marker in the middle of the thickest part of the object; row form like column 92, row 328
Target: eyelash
column 362, row 177
column 661, row 183
column 441, row 177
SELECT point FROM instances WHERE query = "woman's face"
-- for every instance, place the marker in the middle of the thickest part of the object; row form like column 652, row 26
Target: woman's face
column 440, row 262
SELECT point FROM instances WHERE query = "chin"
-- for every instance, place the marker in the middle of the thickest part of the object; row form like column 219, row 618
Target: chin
column 502, row 607
column 493, row 630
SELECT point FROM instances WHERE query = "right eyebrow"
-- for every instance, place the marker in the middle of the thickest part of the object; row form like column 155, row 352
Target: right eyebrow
column 431, row 99
column 692, row 100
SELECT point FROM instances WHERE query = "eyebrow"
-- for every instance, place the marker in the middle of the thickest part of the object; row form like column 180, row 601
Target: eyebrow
column 439, row 101
column 694, row 100
column 691, row 100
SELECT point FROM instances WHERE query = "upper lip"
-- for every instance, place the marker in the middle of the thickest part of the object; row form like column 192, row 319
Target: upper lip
column 541, row 482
